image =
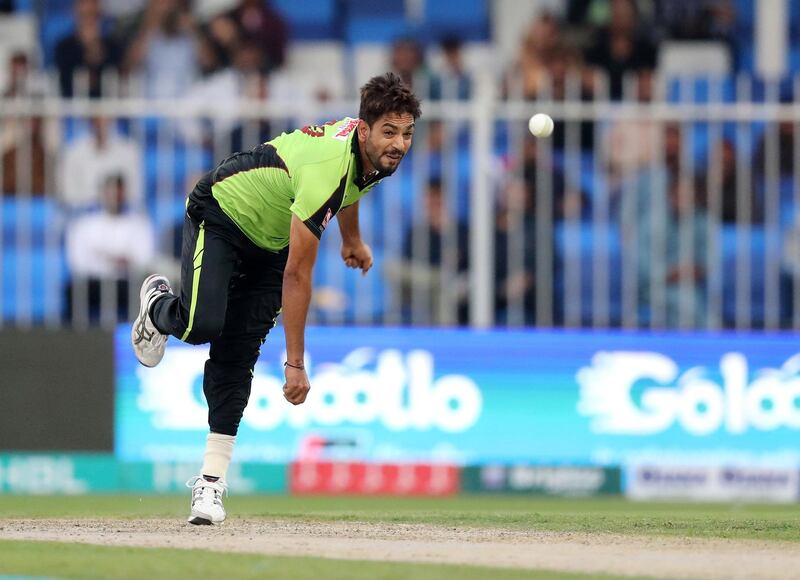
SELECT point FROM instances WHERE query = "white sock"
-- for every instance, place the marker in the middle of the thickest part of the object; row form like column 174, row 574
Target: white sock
column 219, row 450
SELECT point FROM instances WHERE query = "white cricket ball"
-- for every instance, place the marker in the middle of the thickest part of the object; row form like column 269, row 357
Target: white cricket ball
column 541, row 125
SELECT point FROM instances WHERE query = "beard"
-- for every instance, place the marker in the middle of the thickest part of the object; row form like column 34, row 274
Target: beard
column 382, row 163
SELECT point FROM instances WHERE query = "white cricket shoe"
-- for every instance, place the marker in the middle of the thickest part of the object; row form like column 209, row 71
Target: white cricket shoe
column 207, row 505
column 148, row 342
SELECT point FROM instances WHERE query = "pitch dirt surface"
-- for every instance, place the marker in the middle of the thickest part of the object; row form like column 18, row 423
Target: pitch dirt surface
column 568, row 552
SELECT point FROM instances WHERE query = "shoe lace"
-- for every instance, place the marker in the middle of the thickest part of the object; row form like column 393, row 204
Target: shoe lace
column 201, row 486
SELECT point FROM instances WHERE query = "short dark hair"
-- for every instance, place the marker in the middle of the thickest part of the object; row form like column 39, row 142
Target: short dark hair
column 387, row 93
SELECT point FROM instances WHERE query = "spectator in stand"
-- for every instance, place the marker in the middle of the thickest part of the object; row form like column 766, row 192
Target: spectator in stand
column 248, row 63
column 220, row 83
column 453, row 82
column 548, row 67
column 785, row 152
column 567, row 202
column 515, row 253
column 407, row 59
column 211, row 58
column 107, row 247
column 532, row 73
column 89, row 161
column 263, row 26
column 225, row 34
column 216, row 83
column 165, row 48
column 436, row 244
column 27, row 158
column 666, row 221
column 87, row 51
column 720, row 186
column 776, row 189
column 621, row 47
column 25, row 144
column 20, row 76
column 631, row 145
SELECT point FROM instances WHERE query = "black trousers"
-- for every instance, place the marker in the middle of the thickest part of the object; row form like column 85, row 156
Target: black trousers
column 230, row 296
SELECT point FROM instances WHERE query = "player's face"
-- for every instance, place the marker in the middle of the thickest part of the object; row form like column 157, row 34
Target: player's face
column 388, row 140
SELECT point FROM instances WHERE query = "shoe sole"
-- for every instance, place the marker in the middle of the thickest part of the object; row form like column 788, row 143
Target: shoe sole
column 142, row 314
column 202, row 520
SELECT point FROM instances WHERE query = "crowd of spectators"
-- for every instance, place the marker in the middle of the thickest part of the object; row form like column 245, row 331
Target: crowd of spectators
column 591, row 50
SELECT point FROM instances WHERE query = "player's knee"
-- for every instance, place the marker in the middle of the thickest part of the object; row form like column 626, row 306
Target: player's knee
column 224, row 427
column 226, row 420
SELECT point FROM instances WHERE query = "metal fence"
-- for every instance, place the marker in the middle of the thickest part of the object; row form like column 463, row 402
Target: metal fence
column 675, row 207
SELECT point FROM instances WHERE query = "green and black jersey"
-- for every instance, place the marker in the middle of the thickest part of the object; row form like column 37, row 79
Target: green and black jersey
column 312, row 173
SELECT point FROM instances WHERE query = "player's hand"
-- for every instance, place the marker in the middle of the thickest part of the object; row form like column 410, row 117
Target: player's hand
column 357, row 255
column 296, row 387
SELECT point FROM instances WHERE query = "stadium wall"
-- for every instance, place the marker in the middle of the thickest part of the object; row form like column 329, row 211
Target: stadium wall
column 402, row 411
column 56, row 390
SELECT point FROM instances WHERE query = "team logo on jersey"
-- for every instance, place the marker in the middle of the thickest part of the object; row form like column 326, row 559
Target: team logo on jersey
column 327, row 219
column 313, row 130
column 316, row 130
column 346, row 129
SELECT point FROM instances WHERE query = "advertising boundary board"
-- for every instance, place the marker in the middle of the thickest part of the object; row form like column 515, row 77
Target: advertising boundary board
column 556, row 480
column 710, row 483
column 494, row 397
column 86, row 473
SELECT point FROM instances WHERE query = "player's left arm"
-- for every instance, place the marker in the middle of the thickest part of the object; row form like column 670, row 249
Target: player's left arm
column 355, row 252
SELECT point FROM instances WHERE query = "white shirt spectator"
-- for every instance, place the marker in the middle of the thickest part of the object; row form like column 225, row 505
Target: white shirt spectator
column 86, row 164
column 170, row 66
column 108, row 246
column 204, row 96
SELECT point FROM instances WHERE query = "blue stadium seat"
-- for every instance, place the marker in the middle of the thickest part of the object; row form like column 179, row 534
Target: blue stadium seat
column 53, row 27
column 794, row 22
column 794, row 60
column 382, row 8
column 40, row 274
column 701, row 89
column 309, row 19
column 746, row 57
column 745, row 17
column 39, row 213
column 182, row 163
column 360, row 29
column 467, row 19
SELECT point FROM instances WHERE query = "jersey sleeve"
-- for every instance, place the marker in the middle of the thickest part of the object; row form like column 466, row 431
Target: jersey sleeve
column 319, row 192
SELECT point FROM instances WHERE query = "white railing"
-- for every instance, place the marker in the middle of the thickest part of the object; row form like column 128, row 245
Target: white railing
column 590, row 228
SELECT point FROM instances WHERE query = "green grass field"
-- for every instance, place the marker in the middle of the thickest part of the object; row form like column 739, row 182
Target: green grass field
column 763, row 522
column 53, row 560
column 612, row 515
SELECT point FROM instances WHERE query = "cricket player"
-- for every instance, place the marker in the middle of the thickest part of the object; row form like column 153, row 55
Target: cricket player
column 250, row 239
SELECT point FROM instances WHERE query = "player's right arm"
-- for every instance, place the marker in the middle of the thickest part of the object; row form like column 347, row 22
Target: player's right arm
column 303, row 245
